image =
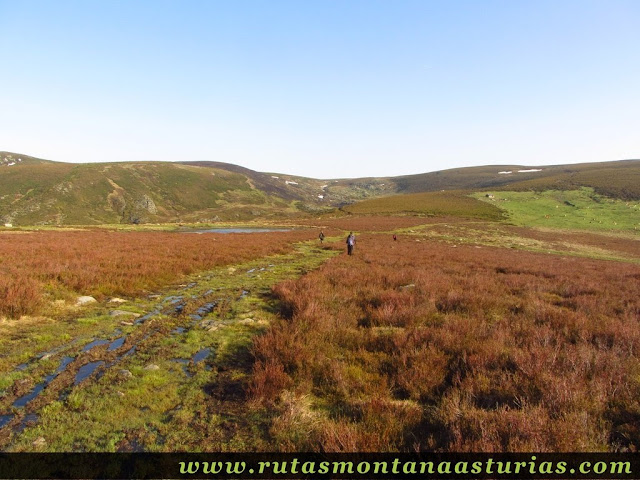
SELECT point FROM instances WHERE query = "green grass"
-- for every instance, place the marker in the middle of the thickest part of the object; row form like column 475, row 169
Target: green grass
column 581, row 209
column 173, row 407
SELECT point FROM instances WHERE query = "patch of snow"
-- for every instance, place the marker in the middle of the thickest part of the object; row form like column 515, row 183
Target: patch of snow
column 320, row 197
column 505, row 172
column 324, row 186
column 11, row 164
column 273, row 176
column 290, row 182
column 530, row 170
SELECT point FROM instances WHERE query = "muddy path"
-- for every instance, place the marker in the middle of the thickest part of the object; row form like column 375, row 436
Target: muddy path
column 167, row 372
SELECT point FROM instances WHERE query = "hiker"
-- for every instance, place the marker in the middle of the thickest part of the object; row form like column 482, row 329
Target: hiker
column 394, row 237
column 321, row 237
column 351, row 241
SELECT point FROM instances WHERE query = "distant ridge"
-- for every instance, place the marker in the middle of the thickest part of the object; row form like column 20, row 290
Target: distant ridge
column 36, row 191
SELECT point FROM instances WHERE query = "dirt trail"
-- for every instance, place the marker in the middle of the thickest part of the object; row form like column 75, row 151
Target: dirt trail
column 173, row 378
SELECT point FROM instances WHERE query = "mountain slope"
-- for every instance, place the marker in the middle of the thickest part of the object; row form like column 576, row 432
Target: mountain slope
column 35, row 191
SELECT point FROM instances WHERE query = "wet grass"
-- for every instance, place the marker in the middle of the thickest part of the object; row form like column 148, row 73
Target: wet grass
column 182, row 387
column 184, row 375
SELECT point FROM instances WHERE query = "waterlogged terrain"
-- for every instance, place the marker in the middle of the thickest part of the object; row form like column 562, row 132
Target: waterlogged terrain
column 162, row 372
column 459, row 335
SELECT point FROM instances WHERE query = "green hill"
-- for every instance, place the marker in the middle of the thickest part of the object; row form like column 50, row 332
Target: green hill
column 619, row 179
column 35, row 191
column 448, row 203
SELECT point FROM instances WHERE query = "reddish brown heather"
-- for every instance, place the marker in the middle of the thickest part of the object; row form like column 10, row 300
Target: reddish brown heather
column 115, row 263
column 422, row 346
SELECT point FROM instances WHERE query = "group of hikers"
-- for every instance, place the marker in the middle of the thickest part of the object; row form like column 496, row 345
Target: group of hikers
column 351, row 241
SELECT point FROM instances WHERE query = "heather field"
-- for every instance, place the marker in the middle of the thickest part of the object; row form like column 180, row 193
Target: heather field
column 425, row 345
column 462, row 335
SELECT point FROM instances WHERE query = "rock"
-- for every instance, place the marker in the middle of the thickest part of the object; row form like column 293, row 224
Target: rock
column 124, row 373
column 247, row 321
column 39, row 442
column 119, row 393
column 85, row 300
column 117, row 300
column 152, row 367
column 126, row 324
column 119, row 313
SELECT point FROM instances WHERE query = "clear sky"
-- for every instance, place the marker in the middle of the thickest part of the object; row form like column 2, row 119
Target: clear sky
column 322, row 88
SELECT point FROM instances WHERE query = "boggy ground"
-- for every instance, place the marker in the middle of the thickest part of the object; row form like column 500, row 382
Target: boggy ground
column 163, row 372
column 461, row 335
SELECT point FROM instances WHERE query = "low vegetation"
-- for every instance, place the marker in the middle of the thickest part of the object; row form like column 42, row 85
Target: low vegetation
column 464, row 334
column 582, row 209
column 37, row 268
column 451, row 203
column 431, row 346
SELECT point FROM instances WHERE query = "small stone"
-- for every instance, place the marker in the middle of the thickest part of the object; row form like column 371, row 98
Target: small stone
column 125, row 373
column 39, row 442
column 126, row 324
column 119, row 313
column 117, row 300
column 85, row 300
column 119, row 393
column 152, row 367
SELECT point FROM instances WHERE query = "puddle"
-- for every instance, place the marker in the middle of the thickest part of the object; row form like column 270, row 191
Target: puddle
column 180, row 330
column 146, row 317
column 93, row 344
column 251, row 271
column 29, row 418
column 22, row 401
column 86, row 370
column 131, row 351
column 185, row 365
column 21, row 367
column 5, row 419
column 173, row 299
column 117, row 343
column 63, row 365
column 201, row 355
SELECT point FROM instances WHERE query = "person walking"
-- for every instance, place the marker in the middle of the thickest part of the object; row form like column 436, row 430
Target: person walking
column 321, row 237
column 351, row 242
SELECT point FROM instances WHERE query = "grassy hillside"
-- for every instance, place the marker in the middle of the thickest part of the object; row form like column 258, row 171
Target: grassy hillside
column 615, row 179
column 61, row 193
column 35, row 191
column 582, row 209
column 457, row 204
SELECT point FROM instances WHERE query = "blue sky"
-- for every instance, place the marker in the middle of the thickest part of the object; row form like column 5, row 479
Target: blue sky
column 322, row 88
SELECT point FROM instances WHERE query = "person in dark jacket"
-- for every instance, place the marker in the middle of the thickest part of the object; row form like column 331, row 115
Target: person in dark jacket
column 351, row 242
